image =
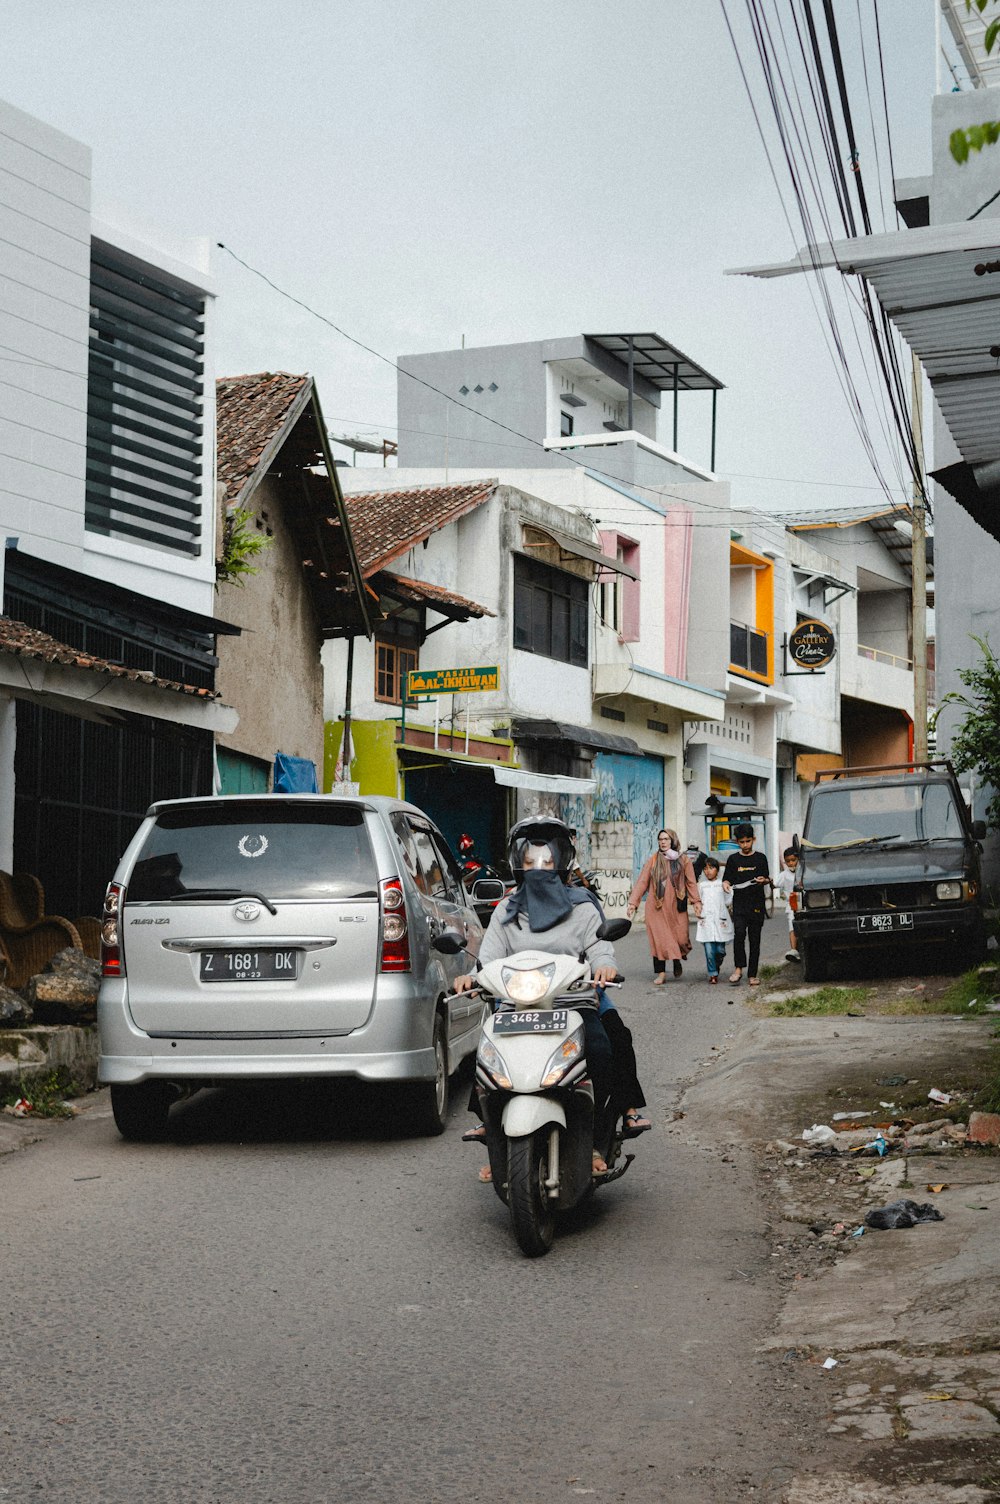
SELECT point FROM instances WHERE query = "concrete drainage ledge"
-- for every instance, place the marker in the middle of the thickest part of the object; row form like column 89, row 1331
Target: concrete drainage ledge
column 33, row 1052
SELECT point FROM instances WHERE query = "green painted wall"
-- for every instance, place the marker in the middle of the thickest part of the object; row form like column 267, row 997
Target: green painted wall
column 373, row 760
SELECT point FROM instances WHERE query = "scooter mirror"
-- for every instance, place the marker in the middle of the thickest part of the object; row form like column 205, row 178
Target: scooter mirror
column 449, row 942
column 488, row 889
column 796, row 847
column 614, row 929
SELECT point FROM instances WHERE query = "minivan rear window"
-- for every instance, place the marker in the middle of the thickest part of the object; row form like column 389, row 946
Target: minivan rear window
column 295, row 852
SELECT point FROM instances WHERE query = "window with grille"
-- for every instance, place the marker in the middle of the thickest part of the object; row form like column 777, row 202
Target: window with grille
column 550, row 612
column 392, row 664
column 145, row 407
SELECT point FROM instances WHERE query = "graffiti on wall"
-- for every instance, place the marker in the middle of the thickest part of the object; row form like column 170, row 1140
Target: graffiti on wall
column 630, row 790
column 615, row 826
column 612, row 843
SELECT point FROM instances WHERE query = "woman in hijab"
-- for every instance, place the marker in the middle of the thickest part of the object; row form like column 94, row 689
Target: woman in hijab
column 668, row 881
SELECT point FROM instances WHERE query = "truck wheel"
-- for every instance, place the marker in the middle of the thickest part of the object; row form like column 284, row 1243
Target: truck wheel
column 531, row 1212
column 815, row 961
column 428, row 1100
column 141, row 1111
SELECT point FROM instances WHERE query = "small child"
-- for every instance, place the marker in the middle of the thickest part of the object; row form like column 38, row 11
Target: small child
column 715, row 924
column 786, row 887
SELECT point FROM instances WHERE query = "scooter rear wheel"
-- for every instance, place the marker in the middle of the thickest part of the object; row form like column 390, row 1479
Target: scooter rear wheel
column 532, row 1214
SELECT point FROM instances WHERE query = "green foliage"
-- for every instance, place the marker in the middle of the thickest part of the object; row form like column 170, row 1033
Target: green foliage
column 976, row 745
column 988, row 133
column 241, row 544
column 45, row 1093
column 973, row 139
column 825, row 1001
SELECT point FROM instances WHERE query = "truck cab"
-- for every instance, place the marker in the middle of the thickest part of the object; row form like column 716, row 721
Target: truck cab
column 889, row 856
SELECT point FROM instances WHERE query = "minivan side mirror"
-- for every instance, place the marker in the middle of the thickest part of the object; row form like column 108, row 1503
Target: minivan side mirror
column 614, row 929
column 979, row 830
column 449, row 942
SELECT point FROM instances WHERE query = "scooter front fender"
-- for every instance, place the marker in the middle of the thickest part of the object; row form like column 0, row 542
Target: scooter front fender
column 525, row 1115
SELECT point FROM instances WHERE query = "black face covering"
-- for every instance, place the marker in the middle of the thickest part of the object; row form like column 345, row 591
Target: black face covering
column 544, row 897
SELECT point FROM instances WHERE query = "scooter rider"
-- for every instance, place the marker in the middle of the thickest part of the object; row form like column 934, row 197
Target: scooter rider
column 543, row 913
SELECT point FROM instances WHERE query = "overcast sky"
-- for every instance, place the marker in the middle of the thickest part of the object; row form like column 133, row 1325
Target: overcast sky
column 423, row 170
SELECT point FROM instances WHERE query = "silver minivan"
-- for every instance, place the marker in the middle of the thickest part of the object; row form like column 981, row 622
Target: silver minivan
column 278, row 935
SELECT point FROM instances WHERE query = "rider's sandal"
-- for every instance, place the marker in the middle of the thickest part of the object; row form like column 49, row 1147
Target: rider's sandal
column 475, row 1135
column 599, row 1164
column 634, row 1124
column 485, row 1175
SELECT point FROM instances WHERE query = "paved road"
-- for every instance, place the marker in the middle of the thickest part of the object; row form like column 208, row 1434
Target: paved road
column 287, row 1303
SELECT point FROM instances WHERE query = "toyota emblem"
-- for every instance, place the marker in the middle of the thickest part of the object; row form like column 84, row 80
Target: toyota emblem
column 247, row 911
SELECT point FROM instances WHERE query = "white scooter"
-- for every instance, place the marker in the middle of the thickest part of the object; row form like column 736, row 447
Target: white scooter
column 535, row 1093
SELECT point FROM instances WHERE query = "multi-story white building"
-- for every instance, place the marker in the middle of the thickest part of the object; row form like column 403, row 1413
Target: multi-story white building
column 107, row 649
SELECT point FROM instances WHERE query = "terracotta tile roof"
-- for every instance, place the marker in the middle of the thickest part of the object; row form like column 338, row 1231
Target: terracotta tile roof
column 385, row 524
column 22, row 641
column 251, row 412
column 422, row 590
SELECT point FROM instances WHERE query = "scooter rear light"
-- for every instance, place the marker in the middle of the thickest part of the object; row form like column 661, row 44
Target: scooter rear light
column 112, row 954
column 395, row 940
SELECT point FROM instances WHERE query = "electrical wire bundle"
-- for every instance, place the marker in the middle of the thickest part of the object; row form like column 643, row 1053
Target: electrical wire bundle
column 805, row 89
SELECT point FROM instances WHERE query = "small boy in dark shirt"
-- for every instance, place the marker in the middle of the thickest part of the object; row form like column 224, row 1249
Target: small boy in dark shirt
column 746, row 877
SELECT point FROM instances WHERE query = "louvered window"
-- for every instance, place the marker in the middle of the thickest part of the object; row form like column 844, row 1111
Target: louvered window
column 145, row 420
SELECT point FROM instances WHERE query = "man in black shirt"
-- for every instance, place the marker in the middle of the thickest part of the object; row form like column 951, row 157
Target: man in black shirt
column 746, row 876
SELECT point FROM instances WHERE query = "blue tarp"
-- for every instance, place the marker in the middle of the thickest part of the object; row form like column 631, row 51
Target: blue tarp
column 294, row 775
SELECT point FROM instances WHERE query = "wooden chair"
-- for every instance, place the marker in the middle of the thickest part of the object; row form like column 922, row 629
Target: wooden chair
column 29, row 936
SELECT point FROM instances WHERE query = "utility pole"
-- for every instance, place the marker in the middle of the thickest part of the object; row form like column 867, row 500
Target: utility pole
column 918, row 607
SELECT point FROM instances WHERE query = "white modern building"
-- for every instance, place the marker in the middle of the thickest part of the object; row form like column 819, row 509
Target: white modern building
column 107, row 514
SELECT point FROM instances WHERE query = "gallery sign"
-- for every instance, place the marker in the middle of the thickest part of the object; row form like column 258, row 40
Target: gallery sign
column 812, row 645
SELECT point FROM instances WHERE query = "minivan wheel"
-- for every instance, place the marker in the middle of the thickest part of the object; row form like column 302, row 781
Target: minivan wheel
column 429, row 1099
column 141, row 1111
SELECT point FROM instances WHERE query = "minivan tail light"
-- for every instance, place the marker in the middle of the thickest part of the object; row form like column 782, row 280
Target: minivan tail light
column 395, row 954
column 112, row 955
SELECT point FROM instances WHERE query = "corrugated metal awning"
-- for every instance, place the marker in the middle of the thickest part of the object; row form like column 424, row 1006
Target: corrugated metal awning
column 940, row 286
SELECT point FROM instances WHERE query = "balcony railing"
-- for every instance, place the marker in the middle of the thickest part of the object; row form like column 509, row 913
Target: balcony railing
column 747, row 648
column 878, row 656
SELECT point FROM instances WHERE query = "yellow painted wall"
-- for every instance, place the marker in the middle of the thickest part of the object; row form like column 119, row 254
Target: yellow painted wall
column 764, row 605
column 373, row 759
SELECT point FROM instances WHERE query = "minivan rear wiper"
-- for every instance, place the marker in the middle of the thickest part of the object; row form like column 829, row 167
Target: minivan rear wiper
column 223, row 893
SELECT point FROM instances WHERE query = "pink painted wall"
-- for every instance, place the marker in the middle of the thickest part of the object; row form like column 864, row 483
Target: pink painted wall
column 678, row 538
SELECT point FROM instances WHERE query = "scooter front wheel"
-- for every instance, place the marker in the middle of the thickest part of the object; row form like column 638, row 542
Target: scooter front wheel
column 532, row 1214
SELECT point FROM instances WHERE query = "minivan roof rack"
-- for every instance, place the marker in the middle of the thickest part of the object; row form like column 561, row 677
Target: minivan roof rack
column 934, row 765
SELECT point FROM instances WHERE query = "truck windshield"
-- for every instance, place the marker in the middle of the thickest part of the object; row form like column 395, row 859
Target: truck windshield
column 894, row 812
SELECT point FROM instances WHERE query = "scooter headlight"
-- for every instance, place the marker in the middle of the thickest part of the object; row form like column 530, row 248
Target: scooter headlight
column 493, row 1063
column 567, row 1053
column 527, row 986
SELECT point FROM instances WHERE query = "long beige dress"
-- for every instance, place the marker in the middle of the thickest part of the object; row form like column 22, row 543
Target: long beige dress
column 667, row 928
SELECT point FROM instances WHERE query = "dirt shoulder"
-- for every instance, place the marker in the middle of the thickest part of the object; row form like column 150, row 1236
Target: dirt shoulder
column 907, row 1413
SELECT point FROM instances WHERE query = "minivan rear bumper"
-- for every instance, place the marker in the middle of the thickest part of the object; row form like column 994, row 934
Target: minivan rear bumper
column 270, row 1059
column 388, row 1047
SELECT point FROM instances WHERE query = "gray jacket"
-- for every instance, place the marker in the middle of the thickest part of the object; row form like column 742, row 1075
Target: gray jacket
column 575, row 934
